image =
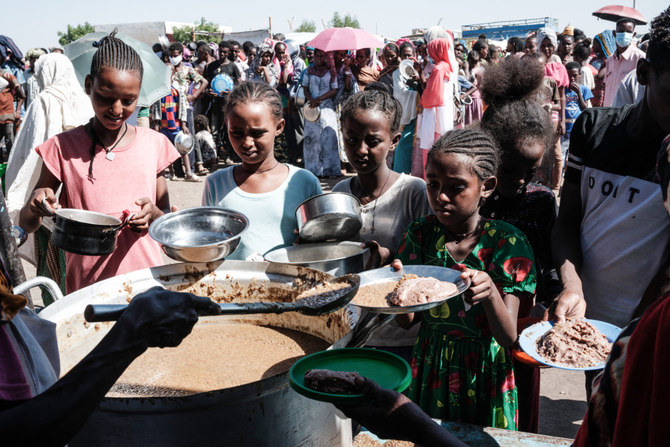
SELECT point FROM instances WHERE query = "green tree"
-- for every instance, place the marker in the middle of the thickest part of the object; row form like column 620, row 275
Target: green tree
column 74, row 32
column 210, row 32
column 306, row 26
column 340, row 22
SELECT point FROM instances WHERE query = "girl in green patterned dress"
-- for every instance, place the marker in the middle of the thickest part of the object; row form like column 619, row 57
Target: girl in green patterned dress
column 461, row 365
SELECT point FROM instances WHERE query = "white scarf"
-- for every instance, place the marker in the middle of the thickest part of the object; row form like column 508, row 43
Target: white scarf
column 61, row 105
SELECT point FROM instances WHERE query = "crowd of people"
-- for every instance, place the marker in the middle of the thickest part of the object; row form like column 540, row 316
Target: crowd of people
column 459, row 157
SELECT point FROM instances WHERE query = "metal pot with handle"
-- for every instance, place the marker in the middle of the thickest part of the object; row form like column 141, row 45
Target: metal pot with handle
column 85, row 232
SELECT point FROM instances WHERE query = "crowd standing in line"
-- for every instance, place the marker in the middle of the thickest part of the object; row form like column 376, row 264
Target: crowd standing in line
column 459, row 163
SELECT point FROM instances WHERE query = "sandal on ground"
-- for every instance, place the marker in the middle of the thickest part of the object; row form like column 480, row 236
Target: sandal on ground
column 191, row 178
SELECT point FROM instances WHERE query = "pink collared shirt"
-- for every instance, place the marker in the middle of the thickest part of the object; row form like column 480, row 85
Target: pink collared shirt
column 617, row 68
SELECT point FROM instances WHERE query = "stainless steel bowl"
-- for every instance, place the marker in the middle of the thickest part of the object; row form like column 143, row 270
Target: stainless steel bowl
column 327, row 217
column 335, row 258
column 200, row 234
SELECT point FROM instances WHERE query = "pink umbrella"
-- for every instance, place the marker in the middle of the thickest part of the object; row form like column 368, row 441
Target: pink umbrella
column 613, row 13
column 334, row 39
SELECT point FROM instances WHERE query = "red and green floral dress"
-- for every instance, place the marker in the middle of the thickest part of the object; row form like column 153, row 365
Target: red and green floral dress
column 459, row 372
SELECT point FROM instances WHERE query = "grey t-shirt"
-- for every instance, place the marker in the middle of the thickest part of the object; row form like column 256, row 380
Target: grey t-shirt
column 386, row 219
column 404, row 202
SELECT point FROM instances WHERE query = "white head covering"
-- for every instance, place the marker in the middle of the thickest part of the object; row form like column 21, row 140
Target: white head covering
column 544, row 33
column 61, row 105
column 435, row 32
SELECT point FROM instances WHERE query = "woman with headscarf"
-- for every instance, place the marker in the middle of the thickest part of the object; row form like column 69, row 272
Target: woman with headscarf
column 61, row 105
column 320, row 146
column 604, row 45
column 263, row 68
column 437, row 99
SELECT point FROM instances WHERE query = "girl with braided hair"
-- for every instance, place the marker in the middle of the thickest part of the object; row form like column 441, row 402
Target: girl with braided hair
column 107, row 166
column 390, row 201
column 461, row 365
column 523, row 131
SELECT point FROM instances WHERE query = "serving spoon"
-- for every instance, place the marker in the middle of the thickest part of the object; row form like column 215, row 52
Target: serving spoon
column 314, row 304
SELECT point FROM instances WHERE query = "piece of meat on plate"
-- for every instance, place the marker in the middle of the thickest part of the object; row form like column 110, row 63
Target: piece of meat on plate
column 332, row 382
column 413, row 291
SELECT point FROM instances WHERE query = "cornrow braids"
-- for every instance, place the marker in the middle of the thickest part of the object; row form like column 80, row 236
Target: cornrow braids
column 374, row 99
column 115, row 53
column 658, row 52
column 250, row 91
column 472, row 142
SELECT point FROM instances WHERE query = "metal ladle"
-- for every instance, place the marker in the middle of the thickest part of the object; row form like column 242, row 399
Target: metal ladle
column 314, row 305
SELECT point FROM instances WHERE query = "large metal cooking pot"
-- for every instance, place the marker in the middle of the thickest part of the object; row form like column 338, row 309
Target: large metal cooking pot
column 329, row 216
column 263, row 413
column 85, row 232
column 336, row 258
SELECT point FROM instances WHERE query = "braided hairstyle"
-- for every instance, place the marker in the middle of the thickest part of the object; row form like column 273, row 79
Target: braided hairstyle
column 112, row 53
column 473, row 143
column 658, row 53
column 249, row 91
column 115, row 53
column 374, row 99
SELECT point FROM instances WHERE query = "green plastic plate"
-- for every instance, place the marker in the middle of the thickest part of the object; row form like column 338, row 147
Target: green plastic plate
column 388, row 370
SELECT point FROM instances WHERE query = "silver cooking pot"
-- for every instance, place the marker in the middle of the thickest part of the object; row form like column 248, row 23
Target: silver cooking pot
column 263, row 413
column 85, row 232
column 336, row 258
column 329, row 216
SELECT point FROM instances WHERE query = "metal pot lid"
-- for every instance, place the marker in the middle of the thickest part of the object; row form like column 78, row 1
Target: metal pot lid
column 316, row 252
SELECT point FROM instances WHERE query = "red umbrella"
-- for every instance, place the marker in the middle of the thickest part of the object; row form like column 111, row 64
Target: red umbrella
column 613, row 13
column 334, row 39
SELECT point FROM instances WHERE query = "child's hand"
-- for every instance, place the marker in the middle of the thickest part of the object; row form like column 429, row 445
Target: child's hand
column 481, row 288
column 43, row 202
column 147, row 214
column 396, row 264
column 575, row 87
column 378, row 254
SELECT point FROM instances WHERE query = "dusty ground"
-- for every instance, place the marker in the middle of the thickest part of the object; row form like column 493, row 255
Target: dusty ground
column 563, row 397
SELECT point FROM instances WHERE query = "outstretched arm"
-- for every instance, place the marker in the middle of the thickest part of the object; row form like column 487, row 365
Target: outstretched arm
column 154, row 318
column 391, row 415
column 566, row 249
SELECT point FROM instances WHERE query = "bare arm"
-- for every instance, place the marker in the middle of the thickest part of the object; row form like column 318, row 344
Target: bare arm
column 150, row 212
column 156, row 317
column 567, row 253
column 561, row 118
column 501, row 312
column 30, row 216
column 199, row 90
column 328, row 94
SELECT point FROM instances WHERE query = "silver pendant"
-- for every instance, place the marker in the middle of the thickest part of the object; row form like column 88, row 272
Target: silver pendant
column 110, row 156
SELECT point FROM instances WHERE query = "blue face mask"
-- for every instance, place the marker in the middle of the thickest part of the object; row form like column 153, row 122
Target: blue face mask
column 623, row 39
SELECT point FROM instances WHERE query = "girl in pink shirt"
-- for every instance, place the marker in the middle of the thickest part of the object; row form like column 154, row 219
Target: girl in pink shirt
column 107, row 166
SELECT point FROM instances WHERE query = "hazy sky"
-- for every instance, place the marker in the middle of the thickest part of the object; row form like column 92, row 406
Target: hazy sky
column 36, row 23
